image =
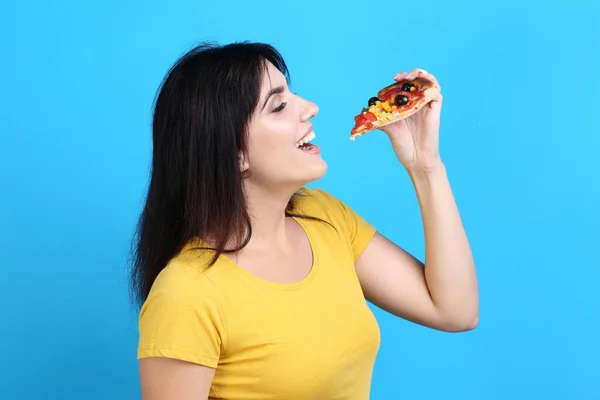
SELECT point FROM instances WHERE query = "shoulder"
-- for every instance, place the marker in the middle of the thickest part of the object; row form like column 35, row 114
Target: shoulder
column 353, row 227
column 186, row 278
column 183, row 316
column 184, row 286
column 319, row 203
column 323, row 205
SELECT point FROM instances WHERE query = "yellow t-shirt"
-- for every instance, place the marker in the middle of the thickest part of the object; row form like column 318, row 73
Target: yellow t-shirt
column 314, row 339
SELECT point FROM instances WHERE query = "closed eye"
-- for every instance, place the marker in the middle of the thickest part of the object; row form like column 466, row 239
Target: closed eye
column 280, row 107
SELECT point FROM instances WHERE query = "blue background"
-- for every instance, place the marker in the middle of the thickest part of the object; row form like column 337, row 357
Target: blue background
column 520, row 139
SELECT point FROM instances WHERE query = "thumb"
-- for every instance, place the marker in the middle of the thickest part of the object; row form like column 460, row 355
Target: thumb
column 436, row 104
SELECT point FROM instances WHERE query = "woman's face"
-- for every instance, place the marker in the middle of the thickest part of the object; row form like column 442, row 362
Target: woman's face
column 280, row 122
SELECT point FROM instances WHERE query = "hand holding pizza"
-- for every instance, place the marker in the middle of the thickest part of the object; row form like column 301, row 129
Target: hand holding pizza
column 415, row 139
column 408, row 111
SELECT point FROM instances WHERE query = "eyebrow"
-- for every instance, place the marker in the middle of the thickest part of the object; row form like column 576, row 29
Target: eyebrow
column 276, row 90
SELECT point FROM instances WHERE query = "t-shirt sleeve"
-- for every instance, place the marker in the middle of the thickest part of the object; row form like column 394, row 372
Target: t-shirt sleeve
column 182, row 318
column 356, row 228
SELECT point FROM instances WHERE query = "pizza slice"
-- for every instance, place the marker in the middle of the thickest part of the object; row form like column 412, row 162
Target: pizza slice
column 393, row 103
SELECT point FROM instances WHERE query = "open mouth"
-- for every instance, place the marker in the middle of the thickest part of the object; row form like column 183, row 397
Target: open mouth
column 305, row 144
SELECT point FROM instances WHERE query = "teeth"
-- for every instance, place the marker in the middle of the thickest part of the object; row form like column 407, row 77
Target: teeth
column 306, row 139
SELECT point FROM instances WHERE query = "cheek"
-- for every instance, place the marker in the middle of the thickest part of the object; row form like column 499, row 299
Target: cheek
column 271, row 148
column 265, row 146
column 274, row 138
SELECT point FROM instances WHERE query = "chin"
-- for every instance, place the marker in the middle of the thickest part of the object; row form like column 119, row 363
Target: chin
column 316, row 170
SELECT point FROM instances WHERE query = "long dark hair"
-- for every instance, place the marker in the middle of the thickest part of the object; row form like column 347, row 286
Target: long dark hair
column 201, row 113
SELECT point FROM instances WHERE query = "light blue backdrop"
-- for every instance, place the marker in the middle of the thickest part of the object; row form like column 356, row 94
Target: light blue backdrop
column 520, row 138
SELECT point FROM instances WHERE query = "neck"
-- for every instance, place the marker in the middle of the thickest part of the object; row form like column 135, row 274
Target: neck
column 266, row 208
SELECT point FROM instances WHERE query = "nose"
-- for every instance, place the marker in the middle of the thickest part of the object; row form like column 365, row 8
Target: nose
column 310, row 110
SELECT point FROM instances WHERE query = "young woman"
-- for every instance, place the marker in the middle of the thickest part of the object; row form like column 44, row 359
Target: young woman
column 253, row 286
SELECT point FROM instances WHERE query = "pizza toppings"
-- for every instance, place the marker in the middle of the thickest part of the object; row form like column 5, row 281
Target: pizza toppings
column 365, row 120
column 408, row 87
column 401, row 100
column 393, row 103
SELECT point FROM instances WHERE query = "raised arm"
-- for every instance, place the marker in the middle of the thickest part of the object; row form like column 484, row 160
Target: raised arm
column 442, row 293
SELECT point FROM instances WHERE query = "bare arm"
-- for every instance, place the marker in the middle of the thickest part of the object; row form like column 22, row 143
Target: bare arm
column 443, row 293
column 170, row 379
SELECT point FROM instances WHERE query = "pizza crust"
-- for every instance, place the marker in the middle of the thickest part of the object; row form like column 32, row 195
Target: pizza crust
column 430, row 93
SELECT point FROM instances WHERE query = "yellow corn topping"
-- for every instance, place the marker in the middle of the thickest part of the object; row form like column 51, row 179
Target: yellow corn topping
column 381, row 109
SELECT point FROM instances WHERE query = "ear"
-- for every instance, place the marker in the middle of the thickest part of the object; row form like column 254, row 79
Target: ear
column 244, row 164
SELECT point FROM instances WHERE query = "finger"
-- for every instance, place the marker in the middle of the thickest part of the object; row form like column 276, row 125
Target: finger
column 422, row 73
column 400, row 76
column 412, row 74
column 436, row 104
column 426, row 75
